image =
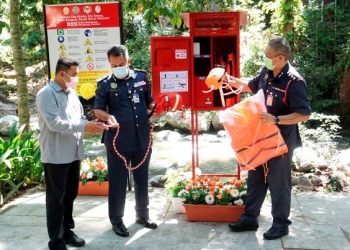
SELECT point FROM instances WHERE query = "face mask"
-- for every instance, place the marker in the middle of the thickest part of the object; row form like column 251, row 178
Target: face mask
column 268, row 63
column 73, row 82
column 120, row 72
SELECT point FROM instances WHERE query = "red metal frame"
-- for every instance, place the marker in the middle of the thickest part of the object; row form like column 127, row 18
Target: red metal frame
column 195, row 155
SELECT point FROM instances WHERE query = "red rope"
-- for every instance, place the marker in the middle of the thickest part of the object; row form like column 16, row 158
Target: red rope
column 122, row 156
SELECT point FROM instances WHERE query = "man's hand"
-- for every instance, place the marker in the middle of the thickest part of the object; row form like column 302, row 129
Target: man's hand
column 112, row 122
column 267, row 118
column 94, row 127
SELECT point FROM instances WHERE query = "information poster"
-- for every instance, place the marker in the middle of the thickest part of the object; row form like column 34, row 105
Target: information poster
column 84, row 32
column 173, row 81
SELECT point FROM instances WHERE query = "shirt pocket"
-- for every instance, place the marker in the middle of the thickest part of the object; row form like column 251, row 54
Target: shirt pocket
column 278, row 95
column 115, row 96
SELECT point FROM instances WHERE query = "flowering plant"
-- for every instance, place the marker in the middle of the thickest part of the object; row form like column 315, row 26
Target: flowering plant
column 95, row 170
column 204, row 190
column 177, row 180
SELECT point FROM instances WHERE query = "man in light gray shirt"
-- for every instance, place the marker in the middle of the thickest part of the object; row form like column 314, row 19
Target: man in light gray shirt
column 62, row 123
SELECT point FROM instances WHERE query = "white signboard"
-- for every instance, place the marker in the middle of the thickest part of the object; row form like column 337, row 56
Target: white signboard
column 85, row 32
column 173, row 81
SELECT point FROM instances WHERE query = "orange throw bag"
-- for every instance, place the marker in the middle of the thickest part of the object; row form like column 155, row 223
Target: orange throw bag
column 253, row 141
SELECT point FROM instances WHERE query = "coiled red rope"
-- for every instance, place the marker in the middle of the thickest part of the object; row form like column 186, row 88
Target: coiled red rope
column 123, row 157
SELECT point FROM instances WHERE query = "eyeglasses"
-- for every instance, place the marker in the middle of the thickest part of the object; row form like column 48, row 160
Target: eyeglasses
column 273, row 56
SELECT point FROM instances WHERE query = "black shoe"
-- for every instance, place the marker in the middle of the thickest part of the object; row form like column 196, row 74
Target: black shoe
column 275, row 233
column 146, row 222
column 243, row 226
column 59, row 246
column 120, row 229
column 70, row 238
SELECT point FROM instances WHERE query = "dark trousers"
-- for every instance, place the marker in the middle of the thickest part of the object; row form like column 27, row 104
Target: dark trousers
column 62, row 182
column 278, row 181
column 117, row 177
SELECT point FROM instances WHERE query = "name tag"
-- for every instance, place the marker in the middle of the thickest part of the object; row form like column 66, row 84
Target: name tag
column 136, row 98
column 138, row 84
column 269, row 100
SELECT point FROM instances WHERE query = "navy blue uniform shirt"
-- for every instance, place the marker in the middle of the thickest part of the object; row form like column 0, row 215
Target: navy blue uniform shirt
column 285, row 100
column 127, row 100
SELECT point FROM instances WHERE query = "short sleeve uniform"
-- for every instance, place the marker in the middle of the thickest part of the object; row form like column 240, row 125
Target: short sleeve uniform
column 284, row 94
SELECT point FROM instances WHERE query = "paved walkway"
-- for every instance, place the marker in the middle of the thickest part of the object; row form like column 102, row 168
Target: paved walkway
column 320, row 221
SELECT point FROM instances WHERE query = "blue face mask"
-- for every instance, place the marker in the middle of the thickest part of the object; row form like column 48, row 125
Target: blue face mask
column 121, row 72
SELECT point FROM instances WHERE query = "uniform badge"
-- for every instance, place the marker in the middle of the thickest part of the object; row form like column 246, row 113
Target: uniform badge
column 114, row 85
column 138, row 84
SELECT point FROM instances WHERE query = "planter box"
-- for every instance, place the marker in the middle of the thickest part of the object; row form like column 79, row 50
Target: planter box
column 93, row 188
column 201, row 212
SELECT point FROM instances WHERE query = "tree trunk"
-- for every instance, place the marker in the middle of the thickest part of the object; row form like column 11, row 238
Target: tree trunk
column 18, row 59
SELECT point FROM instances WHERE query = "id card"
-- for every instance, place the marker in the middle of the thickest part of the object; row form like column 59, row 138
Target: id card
column 136, row 98
column 269, row 100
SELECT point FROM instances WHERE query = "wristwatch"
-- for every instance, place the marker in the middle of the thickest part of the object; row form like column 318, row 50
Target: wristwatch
column 277, row 120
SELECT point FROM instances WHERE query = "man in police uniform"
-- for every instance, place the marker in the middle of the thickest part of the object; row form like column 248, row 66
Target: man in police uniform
column 287, row 103
column 122, row 99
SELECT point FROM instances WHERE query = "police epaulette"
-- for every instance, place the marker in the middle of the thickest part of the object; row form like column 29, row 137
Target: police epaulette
column 294, row 76
column 144, row 71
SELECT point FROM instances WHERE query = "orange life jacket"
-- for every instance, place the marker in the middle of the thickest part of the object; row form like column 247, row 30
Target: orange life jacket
column 168, row 102
column 253, row 141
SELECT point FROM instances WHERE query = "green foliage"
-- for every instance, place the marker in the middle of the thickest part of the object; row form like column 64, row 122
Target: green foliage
column 320, row 57
column 19, row 162
column 334, row 184
column 155, row 12
column 321, row 132
column 6, row 89
column 327, row 123
column 252, row 42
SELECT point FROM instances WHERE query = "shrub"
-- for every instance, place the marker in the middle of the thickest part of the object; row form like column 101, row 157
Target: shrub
column 19, row 163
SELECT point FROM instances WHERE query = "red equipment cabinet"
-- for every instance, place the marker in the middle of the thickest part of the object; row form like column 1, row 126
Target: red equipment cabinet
column 181, row 64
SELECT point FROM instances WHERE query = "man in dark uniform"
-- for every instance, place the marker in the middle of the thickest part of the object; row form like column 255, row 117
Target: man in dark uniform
column 287, row 103
column 122, row 100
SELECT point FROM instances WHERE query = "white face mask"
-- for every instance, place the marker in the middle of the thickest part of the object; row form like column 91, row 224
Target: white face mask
column 121, row 72
column 73, row 82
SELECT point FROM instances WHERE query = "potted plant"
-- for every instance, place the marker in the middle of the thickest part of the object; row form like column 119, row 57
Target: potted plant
column 176, row 181
column 209, row 199
column 93, row 177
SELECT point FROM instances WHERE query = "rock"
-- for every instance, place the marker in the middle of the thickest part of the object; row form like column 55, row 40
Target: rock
column 157, row 181
column 295, row 180
column 316, row 180
column 305, row 168
column 222, row 133
column 318, row 172
column 7, row 107
column 6, row 124
column 305, row 159
column 304, row 181
column 322, row 166
column 217, row 125
column 161, row 166
column 168, row 135
column 182, row 121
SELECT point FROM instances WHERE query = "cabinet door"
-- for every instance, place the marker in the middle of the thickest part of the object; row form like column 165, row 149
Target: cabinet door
column 171, row 67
